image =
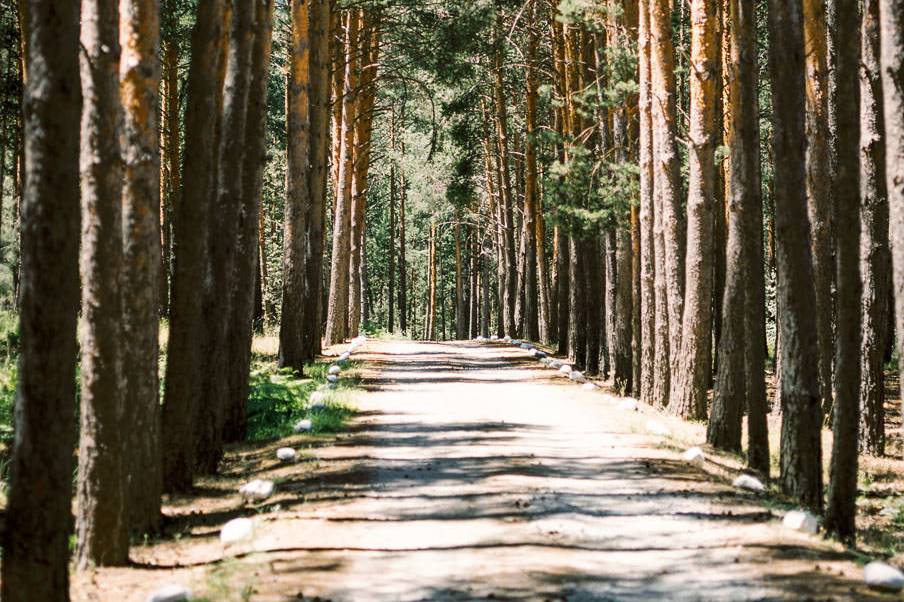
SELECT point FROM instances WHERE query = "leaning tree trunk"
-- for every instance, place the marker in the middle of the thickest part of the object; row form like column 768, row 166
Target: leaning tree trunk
column 102, row 526
column 688, row 395
column 801, row 457
column 842, row 495
column 184, row 360
column 36, row 552
column 142, row 270
column 875, row 259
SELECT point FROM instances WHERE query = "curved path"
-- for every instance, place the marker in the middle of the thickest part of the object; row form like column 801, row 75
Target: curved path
column 475, row 473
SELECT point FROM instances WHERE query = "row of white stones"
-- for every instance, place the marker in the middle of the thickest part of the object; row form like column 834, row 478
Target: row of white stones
column 241, row 530
column 878, row 575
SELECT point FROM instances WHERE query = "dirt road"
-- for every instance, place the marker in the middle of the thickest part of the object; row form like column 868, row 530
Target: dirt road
column 473, row 472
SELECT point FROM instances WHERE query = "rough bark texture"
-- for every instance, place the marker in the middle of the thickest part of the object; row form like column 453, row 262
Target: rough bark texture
column 505, row 193
column 842, row 494
column 819, row 183
column 892, row 62
column 688, row 395
column 337, row 308
column 243, row 289
column 183, row 367
column 103, row 534
column 298, row 189
column 224, row 217
column 531, row 197
column 801, row 452
column 647, row 211
column 139, row 84
column 666, row 172
column 312, row 324
column 36, row 552
column 875, row 258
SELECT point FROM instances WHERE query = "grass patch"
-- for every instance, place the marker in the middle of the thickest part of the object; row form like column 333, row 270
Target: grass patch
column 280, row 398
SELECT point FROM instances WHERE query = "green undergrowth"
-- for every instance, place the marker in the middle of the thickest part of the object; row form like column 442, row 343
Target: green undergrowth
column 280, row 398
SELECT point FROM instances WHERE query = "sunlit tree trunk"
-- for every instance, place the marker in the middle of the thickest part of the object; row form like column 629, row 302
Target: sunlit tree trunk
column 142, row 271
column 505, row 187
column 648, row 322
column 531, row 197
column 102, row 525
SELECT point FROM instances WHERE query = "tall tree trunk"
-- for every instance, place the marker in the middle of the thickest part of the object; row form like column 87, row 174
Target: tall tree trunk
column 460, row 320
column 337, row 309
column 243, row 289
column 819, row 183
column 312, row 323
column 666, row 175
column 505, row 187
column 299, row 193
column 36, row 552
column 171, row 163
column 102, row 524
column 224, row 217
column 403, row 264
column 390, row 247
column 688, row 395
column 563, row 293
column 842, row 495
column 531, row 197
column 577, row 295
column 139, row 84
column 648, row 322
column 184, row 359
column 801, row 453
column 875, row 259
column 891, row 34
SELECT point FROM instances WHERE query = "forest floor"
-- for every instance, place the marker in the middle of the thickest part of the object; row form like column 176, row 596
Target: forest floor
column 473, row 472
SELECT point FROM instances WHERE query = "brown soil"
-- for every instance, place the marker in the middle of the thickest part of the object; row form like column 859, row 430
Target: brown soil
column 472, row 472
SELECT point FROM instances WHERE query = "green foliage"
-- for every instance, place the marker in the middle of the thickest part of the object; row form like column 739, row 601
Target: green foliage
column 278, row 399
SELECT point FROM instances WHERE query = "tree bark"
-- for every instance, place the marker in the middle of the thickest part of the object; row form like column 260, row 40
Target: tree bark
column 688, row 395
column 142, row 270
column 819, row 183
column 531, row 198
column 36, row 552
column 102, row 525
column 243, row 289
column 842, row 495
column 505, row 187
column 801, row 457
column 299, row 193
column 875, row 258
column 184, row 360
column 337, row 308
column 648, row 322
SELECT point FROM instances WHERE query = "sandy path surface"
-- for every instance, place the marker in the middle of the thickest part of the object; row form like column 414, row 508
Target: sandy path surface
column 473, row 472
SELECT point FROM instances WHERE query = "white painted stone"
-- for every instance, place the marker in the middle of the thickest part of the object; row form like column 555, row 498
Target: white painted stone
column 332, row 378
column 494, row 338
column 657, row 428
column 538, row 354
column 694, row 456
column 257, row 490
column 588, row 387
column 237, row 531
column 745, row 481
column 544, row 361
column 317, row 397
column 801, row 520
column 628, row 405
column 576, row 376
column 554, row 363
column 334, row 369
column 286, row 454
column 883, row 576
column 506, row 339
column 303, row 426
column 345, row 356
column 171, row 593
column 565, row 369
column 527, row 346
column 516, row 342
